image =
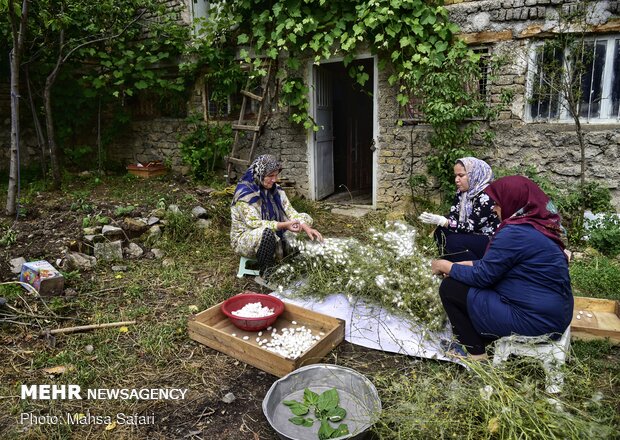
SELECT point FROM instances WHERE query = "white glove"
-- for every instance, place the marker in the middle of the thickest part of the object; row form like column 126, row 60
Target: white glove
column 433, row 219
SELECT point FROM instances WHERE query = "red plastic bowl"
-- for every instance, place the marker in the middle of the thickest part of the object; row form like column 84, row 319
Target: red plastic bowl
column 252, row 324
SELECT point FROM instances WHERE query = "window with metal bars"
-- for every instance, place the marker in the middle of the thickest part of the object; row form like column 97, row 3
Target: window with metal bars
column 227, row 106
column 598, row 84
column 413, row 110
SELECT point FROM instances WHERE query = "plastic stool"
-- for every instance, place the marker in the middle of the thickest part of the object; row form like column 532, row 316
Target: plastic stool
column 551, row 353
column 243, row 267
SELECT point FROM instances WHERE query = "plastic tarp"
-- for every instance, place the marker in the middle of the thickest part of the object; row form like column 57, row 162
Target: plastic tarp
column 374, row 327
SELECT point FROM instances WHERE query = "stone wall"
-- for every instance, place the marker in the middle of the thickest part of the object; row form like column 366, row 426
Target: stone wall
column 288, row 142
column 400, row 149
column 28, row 148
column 5, row 123
column 150, row 140
column 519, row 15
column 553, row 149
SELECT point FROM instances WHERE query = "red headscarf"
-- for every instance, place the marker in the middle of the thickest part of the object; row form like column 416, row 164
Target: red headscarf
column 523, row 202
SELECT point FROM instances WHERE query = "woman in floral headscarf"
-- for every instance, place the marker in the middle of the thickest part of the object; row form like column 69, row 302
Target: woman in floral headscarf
column 521, row 285
column 465, row 233
column 261, row 214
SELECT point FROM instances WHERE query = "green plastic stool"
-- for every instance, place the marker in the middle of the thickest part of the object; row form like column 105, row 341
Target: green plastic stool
column 243, row 269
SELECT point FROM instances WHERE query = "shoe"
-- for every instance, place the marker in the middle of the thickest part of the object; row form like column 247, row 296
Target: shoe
column 456, row 350
column 453, row 348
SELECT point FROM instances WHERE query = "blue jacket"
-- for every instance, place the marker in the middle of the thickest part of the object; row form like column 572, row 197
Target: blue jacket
column 520, row 286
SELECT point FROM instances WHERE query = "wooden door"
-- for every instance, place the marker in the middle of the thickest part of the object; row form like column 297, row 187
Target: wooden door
column 324, row 137
column 359, row 140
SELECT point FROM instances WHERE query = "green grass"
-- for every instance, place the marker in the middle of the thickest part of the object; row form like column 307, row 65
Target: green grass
column 597, row 277
column 421, row 398
column 486, row 402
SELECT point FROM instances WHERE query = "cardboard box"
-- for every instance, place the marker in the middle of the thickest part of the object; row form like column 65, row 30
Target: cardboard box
column 147, row 171
column 44, row 277
column 213, row 329
column 604, row 322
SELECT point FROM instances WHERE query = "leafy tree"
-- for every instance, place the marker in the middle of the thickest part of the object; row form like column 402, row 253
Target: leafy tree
column 74, row 30
column 101, row 52
column 205, row 146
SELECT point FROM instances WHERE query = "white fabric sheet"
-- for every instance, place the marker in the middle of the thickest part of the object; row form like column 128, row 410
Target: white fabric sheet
column 374, row 327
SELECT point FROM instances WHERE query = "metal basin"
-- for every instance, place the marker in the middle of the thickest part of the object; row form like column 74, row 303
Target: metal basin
column 358, row 396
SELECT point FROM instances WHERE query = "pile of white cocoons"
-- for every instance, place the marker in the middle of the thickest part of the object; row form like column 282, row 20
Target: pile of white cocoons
column 291, row 343
column 253, row 310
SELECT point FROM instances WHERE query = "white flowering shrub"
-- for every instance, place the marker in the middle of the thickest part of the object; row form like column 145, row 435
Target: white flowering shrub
column 386, row 269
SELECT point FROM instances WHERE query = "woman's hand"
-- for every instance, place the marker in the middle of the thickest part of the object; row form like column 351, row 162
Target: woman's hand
column 441, row 267
column 312, row 233
column 291, row 225
column 433, row 219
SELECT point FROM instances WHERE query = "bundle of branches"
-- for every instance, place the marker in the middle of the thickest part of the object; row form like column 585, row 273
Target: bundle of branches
column 388, row 269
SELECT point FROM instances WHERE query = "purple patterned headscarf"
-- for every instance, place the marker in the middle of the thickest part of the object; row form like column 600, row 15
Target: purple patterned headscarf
column 479, row 175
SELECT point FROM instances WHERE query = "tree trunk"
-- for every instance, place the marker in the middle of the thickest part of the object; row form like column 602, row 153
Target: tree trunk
column 49, row 118
column 16, row 52
column 51, row 136
column 582, row 152
column 11, row 199
column 582, row 160
column 37, row 124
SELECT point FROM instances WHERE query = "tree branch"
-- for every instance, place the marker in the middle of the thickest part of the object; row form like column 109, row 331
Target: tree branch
column 96, row 40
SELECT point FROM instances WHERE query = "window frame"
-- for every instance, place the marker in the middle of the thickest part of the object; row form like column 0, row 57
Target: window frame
column 411, row 113
column 607, row 79
column 196, row 12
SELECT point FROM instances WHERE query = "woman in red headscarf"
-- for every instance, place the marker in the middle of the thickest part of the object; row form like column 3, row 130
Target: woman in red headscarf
column 521, row 285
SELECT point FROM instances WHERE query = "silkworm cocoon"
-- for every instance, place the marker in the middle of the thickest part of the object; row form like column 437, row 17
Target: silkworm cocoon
column 253, row 310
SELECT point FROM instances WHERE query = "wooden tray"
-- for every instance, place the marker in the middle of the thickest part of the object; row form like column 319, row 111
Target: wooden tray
column 604, row 322
column 148, row 171
column 213, row 329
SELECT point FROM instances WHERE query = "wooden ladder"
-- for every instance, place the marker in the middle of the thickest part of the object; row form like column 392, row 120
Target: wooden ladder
column 254, row 128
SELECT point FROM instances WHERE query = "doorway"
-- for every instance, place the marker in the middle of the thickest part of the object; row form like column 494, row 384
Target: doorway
column 343, row 145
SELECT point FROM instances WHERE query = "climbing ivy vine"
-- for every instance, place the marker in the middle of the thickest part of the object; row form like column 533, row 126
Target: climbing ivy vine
column 414, row 39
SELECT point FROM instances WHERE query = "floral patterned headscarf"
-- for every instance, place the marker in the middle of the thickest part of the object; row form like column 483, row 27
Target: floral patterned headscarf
column 263, row 166
column 479, row 175
column 250, row 188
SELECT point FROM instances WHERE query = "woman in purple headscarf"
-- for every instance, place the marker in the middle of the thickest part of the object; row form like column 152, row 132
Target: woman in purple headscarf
column 465, row 233
column 521, row 285
column 261, row 214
